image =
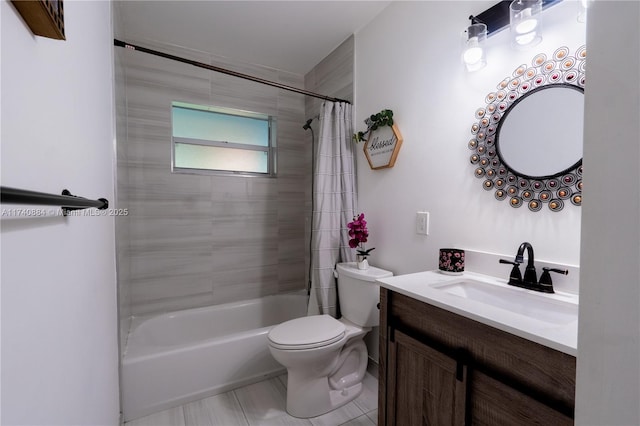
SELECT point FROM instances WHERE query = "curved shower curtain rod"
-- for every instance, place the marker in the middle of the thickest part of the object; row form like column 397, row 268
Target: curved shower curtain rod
column 120, row 43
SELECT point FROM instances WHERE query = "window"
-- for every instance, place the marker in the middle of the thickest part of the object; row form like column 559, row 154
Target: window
column 222, row 140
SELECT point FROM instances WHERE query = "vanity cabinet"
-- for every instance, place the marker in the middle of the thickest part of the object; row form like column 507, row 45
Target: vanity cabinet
column 439, row 368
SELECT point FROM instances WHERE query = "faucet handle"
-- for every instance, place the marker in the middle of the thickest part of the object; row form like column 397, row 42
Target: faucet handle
column 515, row 278
column 546, row 285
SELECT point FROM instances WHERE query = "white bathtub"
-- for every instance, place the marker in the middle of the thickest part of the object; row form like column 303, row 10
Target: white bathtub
column 187, row 355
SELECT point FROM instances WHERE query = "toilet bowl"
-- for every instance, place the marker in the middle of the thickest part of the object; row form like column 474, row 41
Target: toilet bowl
column 326, row 358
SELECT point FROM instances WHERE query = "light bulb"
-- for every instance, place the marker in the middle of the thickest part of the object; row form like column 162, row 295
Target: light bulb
column 527, row 26
column 473, row 54
column 525, row 22
column 525, row 39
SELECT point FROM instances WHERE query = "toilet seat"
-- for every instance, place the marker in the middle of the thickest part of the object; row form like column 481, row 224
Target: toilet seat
column 307, row 333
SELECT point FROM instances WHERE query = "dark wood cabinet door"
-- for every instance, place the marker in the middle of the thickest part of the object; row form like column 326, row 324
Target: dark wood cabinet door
column 425, row 386
column 493, row 403
column 439, row 368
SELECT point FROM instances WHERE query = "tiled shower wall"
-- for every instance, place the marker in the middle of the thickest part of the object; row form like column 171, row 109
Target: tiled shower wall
column 193, row 240
column 122, row 179
column 333, row 76
column 196, row 240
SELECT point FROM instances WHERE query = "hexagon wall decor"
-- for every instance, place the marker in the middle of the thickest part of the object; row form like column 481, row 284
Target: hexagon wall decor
column 382, row 147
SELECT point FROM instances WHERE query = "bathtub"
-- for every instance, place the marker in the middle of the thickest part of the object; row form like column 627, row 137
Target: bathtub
column 184, row 356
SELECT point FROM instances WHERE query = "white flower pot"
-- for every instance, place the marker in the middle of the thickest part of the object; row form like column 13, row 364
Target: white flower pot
column 362, row 262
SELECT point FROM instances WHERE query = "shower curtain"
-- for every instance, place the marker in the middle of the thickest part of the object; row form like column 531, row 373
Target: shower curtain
column 334, row 204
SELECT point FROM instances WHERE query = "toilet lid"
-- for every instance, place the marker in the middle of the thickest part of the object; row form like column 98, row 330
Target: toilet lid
column 307, row 332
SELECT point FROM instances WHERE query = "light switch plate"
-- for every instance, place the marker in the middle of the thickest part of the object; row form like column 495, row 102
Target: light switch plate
column 422, row 223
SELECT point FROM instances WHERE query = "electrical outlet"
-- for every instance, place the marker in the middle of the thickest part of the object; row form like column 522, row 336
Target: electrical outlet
column 422, row 223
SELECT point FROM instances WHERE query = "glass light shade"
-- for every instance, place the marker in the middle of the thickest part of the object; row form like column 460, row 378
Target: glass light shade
column 525, row 23
column 583, row 5
column 473, row 39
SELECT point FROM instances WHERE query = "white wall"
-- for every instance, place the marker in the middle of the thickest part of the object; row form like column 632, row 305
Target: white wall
column 59, row 311
column 608, row 371
column 408, row 60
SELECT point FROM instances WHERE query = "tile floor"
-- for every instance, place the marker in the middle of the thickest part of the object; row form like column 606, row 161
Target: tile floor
column 263, row 403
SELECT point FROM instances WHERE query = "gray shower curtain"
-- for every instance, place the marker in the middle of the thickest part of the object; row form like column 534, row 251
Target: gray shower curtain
column 334, row 204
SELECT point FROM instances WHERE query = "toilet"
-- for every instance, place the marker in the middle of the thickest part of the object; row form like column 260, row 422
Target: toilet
column 326, row 358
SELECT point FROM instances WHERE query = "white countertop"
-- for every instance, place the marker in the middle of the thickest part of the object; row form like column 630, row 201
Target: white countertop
column 562, row 336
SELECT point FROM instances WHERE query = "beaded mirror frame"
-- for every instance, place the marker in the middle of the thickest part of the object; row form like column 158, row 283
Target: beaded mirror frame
column 562, row 69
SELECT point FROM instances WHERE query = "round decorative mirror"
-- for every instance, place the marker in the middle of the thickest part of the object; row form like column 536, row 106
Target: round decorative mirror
column 527, row 141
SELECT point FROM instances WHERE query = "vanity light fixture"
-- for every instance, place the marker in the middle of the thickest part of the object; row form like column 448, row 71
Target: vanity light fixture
column 583, row 6
column 525, row 23
column 473, row 40
column 522, row 16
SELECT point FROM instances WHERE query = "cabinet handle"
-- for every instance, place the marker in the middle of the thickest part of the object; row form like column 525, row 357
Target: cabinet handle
column 462, row 358
column 459, row 370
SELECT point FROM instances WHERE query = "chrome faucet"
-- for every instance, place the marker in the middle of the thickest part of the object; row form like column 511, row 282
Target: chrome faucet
column 530, row 280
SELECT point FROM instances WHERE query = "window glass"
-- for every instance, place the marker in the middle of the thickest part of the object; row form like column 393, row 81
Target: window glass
column 222, row 140
column 208, row 125
column 216, row 158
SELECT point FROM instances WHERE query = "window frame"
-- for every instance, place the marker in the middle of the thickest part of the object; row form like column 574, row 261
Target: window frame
column 270, row 149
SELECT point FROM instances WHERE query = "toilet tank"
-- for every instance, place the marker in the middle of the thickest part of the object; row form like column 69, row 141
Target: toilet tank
column 359, row 294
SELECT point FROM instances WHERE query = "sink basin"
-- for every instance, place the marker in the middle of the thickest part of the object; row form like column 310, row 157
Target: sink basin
column 554, row 309
column 548, row 319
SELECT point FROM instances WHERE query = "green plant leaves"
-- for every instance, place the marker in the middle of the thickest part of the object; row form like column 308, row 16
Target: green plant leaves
column 375, row 121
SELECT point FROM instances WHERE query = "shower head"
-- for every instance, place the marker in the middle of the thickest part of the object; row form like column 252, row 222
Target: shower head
column 307, row 125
